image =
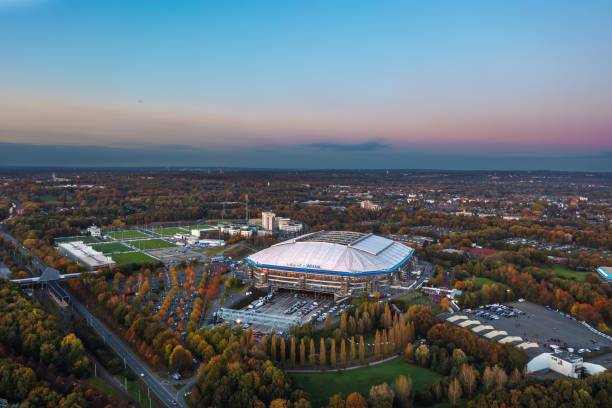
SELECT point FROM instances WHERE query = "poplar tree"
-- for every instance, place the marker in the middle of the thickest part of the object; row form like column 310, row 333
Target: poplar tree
column 302, row 352
column 312, row 353
column 283, row 351
column 377, row 350
column 322, row 352
column 273, row 348
column 292, row 351
column 332, row 353
column 361, row 350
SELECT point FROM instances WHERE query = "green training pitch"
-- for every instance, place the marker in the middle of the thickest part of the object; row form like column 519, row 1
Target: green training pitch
column 485, row 281
column 170, row 231
column 321, row 386
column 155, row 243
column 126, row 234
column 567, row 273
column 133, row 258
column 111, row 247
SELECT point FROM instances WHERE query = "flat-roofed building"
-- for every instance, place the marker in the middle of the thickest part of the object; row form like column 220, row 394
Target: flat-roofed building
column 84, row 255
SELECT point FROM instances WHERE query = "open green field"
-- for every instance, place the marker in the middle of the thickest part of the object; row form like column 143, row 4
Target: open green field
column 565, row 272
column 105, row 387
column 169, row 231
column 155, row 243
column 47, row 198
column 111, row 247
column 126, row 234
column 133, row 258
column 321, row 386
column 482, row 281
column 412, row 298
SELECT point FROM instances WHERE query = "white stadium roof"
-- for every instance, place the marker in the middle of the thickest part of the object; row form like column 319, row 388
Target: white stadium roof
column 335, row 252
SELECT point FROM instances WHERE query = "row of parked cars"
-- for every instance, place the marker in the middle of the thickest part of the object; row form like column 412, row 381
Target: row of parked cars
column 495, row 311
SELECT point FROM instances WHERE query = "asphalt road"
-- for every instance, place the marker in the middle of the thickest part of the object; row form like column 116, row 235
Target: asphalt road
column 168, row 396
column 155, row 384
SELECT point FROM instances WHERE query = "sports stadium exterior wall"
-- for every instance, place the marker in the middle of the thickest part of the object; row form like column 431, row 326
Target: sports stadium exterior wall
column 353, row 275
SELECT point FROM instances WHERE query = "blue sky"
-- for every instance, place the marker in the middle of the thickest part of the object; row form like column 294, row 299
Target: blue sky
column 460, row 78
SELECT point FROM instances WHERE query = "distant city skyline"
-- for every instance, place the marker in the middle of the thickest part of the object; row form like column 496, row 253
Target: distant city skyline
column 445, row 85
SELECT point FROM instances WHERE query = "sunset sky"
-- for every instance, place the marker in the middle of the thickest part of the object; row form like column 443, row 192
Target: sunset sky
column 354, row 83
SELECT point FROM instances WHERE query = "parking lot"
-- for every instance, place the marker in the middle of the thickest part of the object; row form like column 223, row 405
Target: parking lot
column 174, row 255
column 535, row 323
column 308, row 307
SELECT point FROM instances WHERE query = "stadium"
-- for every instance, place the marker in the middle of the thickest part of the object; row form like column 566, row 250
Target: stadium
column 341, row 263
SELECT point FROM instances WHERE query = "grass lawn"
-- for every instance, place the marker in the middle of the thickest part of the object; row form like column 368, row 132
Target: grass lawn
column 133, row 257
column 482, row 281
column 155, row 243
column 111, row 247
column 105, row 387
column 321, row 386
column 565, row 272
column 47, row 198
column 138, row 391
column 412, row 298
column 126, row 234
column 170, row 231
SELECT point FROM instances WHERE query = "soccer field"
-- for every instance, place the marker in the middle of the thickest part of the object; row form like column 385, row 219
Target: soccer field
column 155, row 243
column 170, row 231
column 111, row 247
column 321, row 386
column 126, row 234
column 133, row 257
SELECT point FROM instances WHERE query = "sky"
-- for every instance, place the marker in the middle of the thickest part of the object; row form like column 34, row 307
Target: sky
column 312, row 84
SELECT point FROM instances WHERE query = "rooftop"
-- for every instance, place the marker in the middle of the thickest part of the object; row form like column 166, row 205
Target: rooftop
column 336, row 252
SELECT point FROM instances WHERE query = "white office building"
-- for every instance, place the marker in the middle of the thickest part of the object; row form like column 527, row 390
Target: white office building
column 267, row 220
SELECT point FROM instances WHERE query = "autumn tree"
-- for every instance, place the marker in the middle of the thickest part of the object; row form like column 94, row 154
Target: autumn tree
column 409, row 353
column 356, row 400
column 381, row 396
column 468, row 377
column 312, row 353
column 322, row 353
column 454, row 392
column 302, row 352
column 362, row 350
column 292, row 351
column 377, row 345
column 332, row 353
column 402, row 387
column 422, row 355
column 343, row 353
column 283, row 351
column 353, row 351
column 180, row 359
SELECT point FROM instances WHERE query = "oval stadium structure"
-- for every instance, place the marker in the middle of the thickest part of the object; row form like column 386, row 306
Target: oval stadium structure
column 343, row 263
